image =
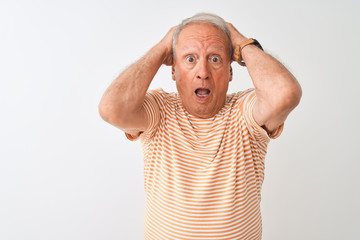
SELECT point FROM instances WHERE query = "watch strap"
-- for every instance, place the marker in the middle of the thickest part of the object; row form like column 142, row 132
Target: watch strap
column 237, row 51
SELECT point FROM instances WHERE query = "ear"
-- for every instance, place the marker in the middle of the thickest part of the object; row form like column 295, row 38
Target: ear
column 231, row 74
column 173, row 72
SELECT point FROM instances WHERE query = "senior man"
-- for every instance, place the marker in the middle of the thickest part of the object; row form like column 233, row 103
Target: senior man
column 203, row 149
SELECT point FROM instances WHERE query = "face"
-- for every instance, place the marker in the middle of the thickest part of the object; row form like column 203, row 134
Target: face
column 202, row 69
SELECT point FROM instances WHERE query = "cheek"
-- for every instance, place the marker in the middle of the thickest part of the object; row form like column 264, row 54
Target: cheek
column 182, row 78
column 184, row 88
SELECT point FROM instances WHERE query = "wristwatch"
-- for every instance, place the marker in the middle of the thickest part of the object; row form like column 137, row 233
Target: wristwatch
column 237, row 51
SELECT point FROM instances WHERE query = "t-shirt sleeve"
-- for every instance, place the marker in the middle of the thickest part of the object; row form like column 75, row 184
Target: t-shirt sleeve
column 255, row 129
column 151, row 106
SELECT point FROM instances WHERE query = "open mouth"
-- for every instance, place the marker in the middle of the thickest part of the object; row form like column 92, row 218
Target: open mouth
column 202, row 92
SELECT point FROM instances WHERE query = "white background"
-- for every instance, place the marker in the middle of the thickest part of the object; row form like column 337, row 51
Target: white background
column 66, row 174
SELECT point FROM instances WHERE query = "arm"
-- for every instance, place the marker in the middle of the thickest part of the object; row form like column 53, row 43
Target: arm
column 122, row 103
column 277, row 90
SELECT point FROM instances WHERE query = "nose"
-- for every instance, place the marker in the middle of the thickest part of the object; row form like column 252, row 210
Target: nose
column 203, row 70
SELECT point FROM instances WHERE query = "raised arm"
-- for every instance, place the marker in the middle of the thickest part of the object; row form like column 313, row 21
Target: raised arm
column 277, row 90
column 122, row 103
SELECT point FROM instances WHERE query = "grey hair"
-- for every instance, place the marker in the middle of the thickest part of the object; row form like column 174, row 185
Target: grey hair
column 210, row 18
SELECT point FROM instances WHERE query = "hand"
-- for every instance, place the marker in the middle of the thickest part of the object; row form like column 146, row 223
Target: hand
column 166, row 42
column 235, row 35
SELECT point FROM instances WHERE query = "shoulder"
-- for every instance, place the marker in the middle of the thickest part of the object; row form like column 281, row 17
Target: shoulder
column 160, row 95
column 245, row 101
column 238, row 99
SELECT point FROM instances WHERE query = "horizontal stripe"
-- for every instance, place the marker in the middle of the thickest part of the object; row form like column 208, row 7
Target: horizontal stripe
column 202, row 177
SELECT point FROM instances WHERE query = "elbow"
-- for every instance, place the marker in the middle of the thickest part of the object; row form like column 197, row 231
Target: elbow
column 104, row 111
column 291, row 97
column 295, row 95
column 109, row 112
column 111, row 115
column 115, row 114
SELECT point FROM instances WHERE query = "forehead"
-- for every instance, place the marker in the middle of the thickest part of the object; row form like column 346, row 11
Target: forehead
column 204, row 34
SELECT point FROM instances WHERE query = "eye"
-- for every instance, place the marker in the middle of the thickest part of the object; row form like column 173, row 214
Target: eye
column 215, row 59
column 190, row 59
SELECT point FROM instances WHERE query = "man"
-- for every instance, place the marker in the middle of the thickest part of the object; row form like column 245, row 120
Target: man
column 203, row 149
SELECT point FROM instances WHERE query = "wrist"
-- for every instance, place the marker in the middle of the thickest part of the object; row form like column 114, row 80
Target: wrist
column 238, row 49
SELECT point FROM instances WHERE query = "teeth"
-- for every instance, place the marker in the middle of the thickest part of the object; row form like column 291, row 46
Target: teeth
column 202, row 92
column 202, row 95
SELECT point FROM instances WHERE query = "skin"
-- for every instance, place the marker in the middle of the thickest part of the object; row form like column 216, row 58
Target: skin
column 122, row 102
column 202, row 61
column 277, row 90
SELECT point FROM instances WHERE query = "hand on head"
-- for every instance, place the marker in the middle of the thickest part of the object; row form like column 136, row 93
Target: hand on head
column 236, row 36
column 167, row 43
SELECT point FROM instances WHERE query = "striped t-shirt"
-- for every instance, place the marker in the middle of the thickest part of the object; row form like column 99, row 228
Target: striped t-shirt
column 203, row 177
